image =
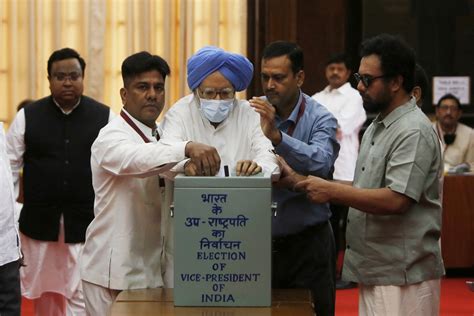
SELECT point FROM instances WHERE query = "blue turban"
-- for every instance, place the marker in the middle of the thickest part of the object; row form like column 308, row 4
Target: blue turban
column 234, row 67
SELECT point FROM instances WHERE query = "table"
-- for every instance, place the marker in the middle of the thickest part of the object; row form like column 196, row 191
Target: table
column 457, row 236
column 160, row 302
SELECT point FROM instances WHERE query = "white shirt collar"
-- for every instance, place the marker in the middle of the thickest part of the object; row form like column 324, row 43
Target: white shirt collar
column 67, row 112
column 344, row 89
column 147, row 131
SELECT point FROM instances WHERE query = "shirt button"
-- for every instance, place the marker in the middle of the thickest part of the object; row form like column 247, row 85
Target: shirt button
column 348, row 221
column 66, row 162
column 372, row 143
column 348, row 247
column 363, row 168
column 66, row 141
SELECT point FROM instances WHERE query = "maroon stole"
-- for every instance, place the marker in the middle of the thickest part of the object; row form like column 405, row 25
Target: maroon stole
column 291, row 129
column 135, row 127
column 145, row 139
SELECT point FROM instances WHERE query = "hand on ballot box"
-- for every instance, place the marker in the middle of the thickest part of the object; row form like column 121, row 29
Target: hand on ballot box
column 247, row 168
column 205, row 160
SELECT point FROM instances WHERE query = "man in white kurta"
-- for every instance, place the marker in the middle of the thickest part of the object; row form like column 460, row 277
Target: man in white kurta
column 212, row 115
column 345, row 103
column 124, row 242
column 457, row 139
column 237, row 138
column 10, row 296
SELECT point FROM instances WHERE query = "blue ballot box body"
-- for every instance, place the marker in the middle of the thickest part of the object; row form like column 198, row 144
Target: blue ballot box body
column 222, row 241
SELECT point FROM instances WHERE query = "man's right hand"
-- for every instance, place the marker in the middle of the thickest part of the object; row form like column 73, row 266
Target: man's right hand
column 267, row 119
column 288, row 177
column 205, row 159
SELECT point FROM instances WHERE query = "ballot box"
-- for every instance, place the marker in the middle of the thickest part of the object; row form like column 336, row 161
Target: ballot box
column 222, row 241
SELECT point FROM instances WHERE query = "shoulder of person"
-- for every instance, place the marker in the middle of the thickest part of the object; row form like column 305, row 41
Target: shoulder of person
column 117, row 126
column 416, row 122
column 244, row 105
column 244, row 113
column 317, row 95
column 90, row 101
column 39, row 102
column 183, row 104
column 463, row 128
column 319, row 114
column 37, row 107
column 314, row 105
column 348, row 90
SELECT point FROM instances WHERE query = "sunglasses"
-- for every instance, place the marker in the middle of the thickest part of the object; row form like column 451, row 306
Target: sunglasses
column 367, row 80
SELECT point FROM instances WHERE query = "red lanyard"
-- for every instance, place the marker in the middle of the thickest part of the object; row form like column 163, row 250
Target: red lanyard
column 145, row 139
column 135, row 127
column 292, row 127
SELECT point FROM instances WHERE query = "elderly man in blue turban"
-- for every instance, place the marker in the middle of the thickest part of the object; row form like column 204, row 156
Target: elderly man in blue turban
column 212, row 115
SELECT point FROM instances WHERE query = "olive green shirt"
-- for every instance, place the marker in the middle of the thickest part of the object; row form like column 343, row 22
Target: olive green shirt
column 400, row 152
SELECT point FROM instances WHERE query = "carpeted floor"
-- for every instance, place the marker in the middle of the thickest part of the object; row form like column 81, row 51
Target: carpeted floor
column 456, row 300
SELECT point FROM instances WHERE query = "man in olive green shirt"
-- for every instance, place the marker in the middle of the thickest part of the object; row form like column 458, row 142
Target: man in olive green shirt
column 394, row 222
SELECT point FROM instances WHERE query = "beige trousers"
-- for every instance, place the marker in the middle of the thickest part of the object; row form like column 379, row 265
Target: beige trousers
column 420, row 299
column 98, row 299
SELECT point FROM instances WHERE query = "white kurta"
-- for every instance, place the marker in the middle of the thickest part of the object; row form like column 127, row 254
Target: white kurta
column 124, row 242
column 238, row 137
column 345, row 103
column 43, row 272
column 9, row 248
column 462, row 150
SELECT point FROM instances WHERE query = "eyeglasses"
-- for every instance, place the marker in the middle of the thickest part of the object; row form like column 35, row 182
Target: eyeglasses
column 445, row 108
column 61, row 76
column 210, row 93
column 367, row 80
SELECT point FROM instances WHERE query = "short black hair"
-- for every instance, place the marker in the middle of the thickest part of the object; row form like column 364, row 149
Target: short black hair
column 421, row 80
column 142, row 62
column 339, row 58
column 282, row 48
column 65, row 53
column 451, row 97
column 396, row 57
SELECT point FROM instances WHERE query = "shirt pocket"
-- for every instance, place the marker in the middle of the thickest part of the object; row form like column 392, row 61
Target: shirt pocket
column 385, row 226
column 371, row 172
column 385, row 236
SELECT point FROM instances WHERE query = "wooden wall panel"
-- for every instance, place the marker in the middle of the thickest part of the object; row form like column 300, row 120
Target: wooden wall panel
column 319, row 27
column 321, row 33
column 457, row 236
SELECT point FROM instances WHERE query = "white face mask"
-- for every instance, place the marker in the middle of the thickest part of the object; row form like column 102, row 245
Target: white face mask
column 216, row 110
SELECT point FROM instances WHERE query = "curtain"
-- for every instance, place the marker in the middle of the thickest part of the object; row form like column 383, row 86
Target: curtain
column 105, row 32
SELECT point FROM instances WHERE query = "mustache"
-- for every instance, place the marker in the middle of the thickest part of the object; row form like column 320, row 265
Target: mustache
column 272, row 91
